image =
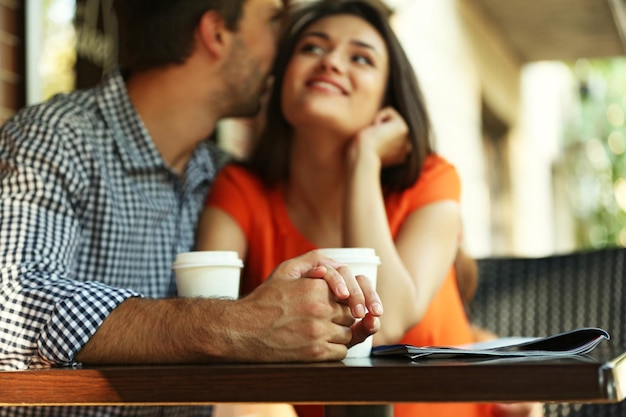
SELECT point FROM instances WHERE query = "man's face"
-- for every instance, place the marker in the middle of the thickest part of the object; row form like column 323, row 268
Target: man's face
column 251, row 56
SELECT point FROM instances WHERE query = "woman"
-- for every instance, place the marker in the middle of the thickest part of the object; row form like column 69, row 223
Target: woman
column 345, row 160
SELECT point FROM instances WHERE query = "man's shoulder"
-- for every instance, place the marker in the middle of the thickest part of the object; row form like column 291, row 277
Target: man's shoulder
column 70, row 118
column 62, row 130
column 80, row 108
column 62, row 109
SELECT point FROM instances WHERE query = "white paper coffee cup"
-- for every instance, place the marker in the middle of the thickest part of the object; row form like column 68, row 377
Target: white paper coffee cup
column 361, row 261
column 208, row 274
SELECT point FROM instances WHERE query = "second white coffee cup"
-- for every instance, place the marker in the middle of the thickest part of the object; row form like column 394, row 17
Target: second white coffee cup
column 361, row 261
column 208, row 274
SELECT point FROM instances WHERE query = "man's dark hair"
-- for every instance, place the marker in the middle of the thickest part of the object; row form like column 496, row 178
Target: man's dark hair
column 154, row 33
column 270, row 157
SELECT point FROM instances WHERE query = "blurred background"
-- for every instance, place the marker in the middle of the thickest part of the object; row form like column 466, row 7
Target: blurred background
column 527, row 99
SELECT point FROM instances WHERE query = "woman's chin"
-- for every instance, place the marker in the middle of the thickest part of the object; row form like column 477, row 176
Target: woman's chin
column 326, row 120
column 330, row 124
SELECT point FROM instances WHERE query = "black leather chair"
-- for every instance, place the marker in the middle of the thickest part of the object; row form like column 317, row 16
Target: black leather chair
column 547, row 295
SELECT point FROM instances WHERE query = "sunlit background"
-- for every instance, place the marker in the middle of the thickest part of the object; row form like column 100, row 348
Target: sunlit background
column 540, row 145
column 51, row 48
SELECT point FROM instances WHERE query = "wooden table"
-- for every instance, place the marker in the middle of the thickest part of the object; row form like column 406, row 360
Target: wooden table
column 340, row 385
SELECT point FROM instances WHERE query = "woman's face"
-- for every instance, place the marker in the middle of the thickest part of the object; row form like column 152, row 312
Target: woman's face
column 337, row 75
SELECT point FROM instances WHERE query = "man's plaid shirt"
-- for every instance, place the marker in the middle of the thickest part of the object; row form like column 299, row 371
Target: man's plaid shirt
column 90, row 215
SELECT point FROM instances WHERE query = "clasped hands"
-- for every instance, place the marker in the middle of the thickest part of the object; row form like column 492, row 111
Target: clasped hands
column 315, row 318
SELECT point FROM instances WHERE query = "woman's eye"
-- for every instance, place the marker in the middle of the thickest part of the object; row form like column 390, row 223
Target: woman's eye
column 360, row 59
column 311, row 48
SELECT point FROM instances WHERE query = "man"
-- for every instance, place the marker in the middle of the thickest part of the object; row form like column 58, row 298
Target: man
column 99, row 190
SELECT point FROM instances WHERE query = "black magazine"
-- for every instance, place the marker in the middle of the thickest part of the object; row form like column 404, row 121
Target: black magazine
column 574, row 342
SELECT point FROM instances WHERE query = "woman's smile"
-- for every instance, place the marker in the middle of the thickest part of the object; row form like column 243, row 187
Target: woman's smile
column 326, row 84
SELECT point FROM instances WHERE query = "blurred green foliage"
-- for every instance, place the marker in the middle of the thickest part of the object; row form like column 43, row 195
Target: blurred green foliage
column 595, row 153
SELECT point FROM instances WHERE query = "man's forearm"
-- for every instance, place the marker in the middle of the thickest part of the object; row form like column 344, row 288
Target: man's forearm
column 173, row 330
column 287, row 318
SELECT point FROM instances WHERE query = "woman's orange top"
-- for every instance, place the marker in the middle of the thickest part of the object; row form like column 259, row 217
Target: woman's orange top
column 272, row 238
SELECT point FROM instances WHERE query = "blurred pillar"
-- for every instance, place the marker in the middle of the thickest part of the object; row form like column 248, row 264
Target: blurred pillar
column 12, row 89
column 96, row 41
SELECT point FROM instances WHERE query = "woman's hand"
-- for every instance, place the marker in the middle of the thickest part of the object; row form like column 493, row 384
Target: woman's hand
column 387, row 137
column 357, row 292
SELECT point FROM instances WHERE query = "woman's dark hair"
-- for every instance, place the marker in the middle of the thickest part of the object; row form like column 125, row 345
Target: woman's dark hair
column 270, row 156
column 154, row 33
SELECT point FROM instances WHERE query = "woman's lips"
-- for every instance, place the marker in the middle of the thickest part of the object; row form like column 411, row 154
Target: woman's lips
column 326, row 84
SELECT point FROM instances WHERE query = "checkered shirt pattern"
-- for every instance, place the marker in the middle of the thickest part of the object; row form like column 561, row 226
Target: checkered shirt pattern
column 90, row 215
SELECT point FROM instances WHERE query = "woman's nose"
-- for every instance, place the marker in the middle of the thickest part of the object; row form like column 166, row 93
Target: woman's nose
column 332, row 62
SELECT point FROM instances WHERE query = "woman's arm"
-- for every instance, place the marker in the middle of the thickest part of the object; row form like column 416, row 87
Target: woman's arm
column 414, row 266
column 217, row 230
column 427, row 243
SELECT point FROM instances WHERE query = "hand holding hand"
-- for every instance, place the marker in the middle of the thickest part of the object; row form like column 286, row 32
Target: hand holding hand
column 360, row 287
column 294, row 319
column 354, row 291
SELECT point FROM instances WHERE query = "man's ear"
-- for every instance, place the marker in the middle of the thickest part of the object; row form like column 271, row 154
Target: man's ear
column 213, row 34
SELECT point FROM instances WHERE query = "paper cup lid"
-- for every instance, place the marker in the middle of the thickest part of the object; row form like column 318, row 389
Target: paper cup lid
column 207, row 258
column 352, row 255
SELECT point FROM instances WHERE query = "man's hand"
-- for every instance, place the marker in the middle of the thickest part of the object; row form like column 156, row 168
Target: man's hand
column 295, row 319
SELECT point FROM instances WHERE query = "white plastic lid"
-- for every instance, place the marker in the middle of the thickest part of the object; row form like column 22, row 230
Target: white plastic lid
column 207, row 258
column 352, row 255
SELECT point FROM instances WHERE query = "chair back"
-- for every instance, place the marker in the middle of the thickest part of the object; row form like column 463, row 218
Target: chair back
column 547, row 295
